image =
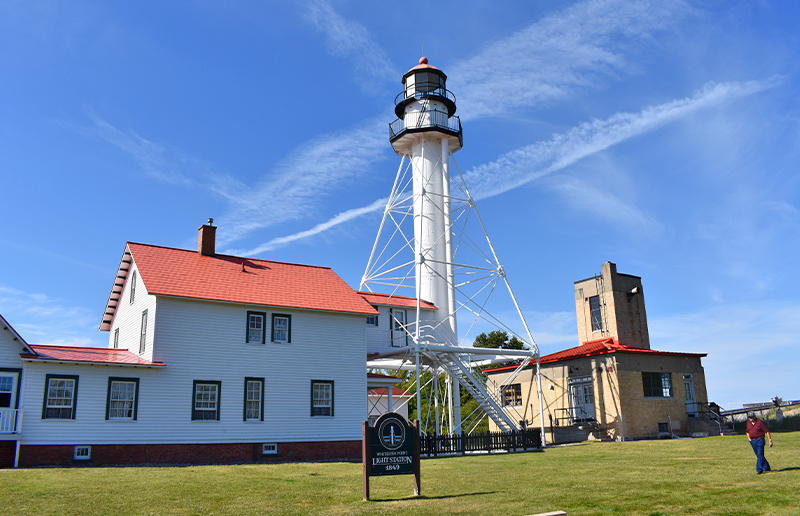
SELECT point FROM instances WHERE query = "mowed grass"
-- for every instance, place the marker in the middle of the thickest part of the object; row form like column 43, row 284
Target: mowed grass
column 714, row 475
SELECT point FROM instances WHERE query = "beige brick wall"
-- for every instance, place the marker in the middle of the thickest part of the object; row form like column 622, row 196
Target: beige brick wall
column 620, row 406
column 642, row 415
column 624, row 315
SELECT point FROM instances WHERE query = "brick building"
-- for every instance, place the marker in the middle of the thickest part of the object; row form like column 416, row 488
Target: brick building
column 611, row 386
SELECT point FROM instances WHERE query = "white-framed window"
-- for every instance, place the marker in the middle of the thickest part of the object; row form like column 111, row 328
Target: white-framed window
column 512, row 395
column 372, row 320
column 269, row 449
column 205, row 403
column 399, row 317
column 397, row 325
column 143, row 334
column 133, row 286
column 123, row 398
column 321, row 398
column 281, row 328
column 116, row 338
column 255, row 327
column 82, row 453
column 253, row 399
column 60, row 397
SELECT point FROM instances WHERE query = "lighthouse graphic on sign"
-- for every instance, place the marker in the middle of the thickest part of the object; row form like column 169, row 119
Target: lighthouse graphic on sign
column 432, row 245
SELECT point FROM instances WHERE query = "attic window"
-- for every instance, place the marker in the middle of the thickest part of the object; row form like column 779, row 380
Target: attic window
column 133, row 286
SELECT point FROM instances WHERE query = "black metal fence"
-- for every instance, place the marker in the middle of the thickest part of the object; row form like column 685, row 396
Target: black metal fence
column 433, row 445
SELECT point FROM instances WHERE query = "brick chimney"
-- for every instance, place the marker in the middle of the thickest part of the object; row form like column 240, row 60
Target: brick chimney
column 206, row 239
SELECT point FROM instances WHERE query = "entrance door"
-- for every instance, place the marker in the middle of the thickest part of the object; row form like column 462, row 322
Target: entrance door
column 691, row 401
column 581, row 397
column 8, row 401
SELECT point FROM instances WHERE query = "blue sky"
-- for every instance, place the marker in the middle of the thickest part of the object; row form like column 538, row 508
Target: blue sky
column 663, row 136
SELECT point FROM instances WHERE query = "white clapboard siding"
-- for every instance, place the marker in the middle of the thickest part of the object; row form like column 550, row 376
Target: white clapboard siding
column 200, row 340
column 379, row 338
column 10, row 349
column 128, row 317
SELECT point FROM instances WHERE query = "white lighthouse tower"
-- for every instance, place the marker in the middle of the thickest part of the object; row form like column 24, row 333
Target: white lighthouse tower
column 429, row 133
column 432, row 240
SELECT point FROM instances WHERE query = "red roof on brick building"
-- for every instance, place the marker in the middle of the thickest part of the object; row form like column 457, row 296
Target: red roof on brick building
column 598, row 347
column 75, row 354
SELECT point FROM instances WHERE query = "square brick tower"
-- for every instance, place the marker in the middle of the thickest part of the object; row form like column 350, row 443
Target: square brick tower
column 612, row 305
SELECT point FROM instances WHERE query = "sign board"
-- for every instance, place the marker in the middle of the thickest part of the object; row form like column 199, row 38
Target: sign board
column 390, row 447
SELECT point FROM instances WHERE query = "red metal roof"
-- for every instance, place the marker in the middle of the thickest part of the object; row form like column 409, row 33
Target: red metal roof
column 396, row 391
column 182, row 273
column 597, row 347
column 75, row 354
column 395, row 300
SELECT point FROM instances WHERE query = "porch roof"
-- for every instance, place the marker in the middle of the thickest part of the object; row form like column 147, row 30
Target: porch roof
column 86, row 355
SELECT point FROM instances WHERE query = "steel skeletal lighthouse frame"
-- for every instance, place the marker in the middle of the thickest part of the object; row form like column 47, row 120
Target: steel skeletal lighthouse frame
column 432, row 240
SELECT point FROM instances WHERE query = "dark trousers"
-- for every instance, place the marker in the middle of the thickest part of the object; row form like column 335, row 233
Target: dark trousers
column 761, row 461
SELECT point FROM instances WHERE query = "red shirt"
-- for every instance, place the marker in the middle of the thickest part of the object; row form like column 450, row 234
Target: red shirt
column 757, row 429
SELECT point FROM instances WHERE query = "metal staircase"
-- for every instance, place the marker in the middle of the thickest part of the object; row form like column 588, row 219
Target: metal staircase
column 490, row 400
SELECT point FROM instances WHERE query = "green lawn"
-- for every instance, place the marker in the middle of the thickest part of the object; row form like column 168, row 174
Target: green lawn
column 714, row 475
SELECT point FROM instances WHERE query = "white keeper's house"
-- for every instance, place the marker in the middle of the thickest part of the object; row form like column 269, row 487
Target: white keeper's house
column 211, row 359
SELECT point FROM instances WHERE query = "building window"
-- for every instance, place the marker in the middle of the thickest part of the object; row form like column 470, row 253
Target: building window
column 281, row 328
column 133, row 286
column 397, row 325
column 512, row 395
column 205, row 404
column 372, row 320
column 143, row 335
column 321, row 398
column 657, row 385
column 596, row 311
column 116, row 338
column 255, row 327
column 399, row 317
column 82, row 453
column 122, row 399
column 269, row 449
column 60, row 397
column 253, row 399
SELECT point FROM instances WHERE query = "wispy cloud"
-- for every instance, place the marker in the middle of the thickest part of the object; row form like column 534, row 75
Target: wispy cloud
column 604, row 205
column 292, row 190
column 523, row 165
column 346, row 38
column 564, row 52
column 538, row 160
column 739, row 338
column 156, row 160
column 61, row 324
column 165, row 163
column 341, row 218
column 295, row 187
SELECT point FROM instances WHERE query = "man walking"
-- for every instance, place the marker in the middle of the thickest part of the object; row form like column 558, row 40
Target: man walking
column 756, row 430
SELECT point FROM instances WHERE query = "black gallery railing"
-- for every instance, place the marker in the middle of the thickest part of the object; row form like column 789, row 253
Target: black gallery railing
column 432, row 445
